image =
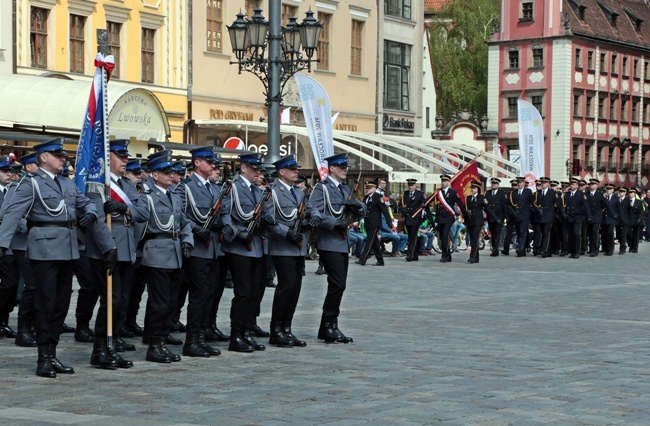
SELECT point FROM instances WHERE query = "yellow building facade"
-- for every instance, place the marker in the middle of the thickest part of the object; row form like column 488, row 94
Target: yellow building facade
column 149, row 38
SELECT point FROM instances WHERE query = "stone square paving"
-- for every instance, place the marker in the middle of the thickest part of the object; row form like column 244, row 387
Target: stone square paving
column 508, row 341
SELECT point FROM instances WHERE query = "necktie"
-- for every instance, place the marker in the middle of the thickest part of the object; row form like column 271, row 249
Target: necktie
column 544, row 193
column 474, row 198
column 253, row 193
column 572, row 192
column 169, row 195
column 609, row 198
column 56, row 180
column 445, row 191
column 494, row 192
column 207, row 185
column 411, row 194
column 342, row 192
column 520, row 192
column 294, row 194
column 4, row 191
column 119, row 183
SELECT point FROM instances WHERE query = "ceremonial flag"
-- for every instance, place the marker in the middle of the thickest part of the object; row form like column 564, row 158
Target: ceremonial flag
column 462, row 181
column 531, row 142
column 91, row 152
column 318, row 120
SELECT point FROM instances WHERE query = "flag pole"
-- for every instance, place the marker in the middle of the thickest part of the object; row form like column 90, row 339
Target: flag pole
column 103, row 47
column 435, row 194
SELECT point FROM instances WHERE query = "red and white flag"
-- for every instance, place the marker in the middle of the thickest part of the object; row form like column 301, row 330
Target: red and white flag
column 118, row 195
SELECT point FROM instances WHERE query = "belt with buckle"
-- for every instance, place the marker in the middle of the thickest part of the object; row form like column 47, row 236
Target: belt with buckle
column 69, row 224
column 164, row 236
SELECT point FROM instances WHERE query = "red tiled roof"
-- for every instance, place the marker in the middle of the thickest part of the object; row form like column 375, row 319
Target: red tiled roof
column 434, row 5
column 597, row 24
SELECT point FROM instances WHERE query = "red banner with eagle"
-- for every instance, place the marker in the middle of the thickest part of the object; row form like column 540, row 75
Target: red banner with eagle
column 461, row 181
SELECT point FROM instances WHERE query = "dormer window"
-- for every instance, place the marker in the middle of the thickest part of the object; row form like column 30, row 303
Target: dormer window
column 635, row 20
column 578, row 9
column 609, row 14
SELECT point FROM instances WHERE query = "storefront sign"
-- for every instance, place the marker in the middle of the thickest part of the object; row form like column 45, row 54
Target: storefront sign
column 346, row 127
column 398, row 124
column 137, row 115
column 231, row 115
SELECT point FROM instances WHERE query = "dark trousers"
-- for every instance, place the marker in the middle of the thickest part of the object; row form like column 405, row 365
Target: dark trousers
column 543, row 237
column 121, row 279
column 633, row 237
column 26, row 305
column 574, row 229
column 621, row 234
column 372, row 244
column 268, row 276
column 203, row 276
column 522, row 233
column 495, row 234
column 608, row 238
column 162, row 292
column 88, row 296
column 412, row 250
column 507, row 240
column 137, row 289
column 593, row 232
column 583, row 238
column 443, row 234
column 52, row 299
column 285, row 299
column 248, row 275
column 9, row 275
column 219, row 288
column 184, row 288
column 565, row 237
column 336, row 267
column 474, row 232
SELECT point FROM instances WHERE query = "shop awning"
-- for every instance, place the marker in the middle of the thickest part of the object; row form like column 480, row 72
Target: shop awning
column 57, row 106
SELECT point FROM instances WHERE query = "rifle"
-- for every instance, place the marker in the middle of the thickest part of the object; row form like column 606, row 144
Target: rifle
column 349, row 216
column 257, row 215
column 302, row 211
column 214, row 210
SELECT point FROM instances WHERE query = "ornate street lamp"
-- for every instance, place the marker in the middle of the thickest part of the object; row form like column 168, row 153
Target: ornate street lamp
column 290, row 50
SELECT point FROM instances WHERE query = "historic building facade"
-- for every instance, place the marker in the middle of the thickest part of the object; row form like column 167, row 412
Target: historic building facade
column 585, row 65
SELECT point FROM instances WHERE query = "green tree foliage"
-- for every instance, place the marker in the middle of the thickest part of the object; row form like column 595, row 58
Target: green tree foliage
column 459, row 54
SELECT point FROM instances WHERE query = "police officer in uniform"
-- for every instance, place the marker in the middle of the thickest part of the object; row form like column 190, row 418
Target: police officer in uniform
column 597, row 205
column 522, row 200
column 244, row 251
column 287, row 246
column 636, row 220
column 496, row 204
column 577, row 210
column 332, row 199
column 167, row 240
column 9, row 271
column 474, row 220
column 623, row 224
column 412, row 201
column 198, row 195
column 124, row 213
column 375, row 208
column 446, row 201
column 510, row 218
column 610, row 216
column 546, row 203
column 51, row 205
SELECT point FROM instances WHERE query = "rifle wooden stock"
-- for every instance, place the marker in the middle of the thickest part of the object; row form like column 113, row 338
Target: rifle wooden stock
column 302, row 210
column 257, row 215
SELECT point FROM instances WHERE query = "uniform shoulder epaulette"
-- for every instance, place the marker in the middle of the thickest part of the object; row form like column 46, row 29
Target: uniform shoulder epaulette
column 147, row 191
column 186, row 180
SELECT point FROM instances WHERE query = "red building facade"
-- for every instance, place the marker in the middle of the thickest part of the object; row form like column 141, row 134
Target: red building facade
column 585, row 64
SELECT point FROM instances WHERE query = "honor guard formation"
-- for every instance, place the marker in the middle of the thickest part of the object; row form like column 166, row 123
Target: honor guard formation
column 185, row 233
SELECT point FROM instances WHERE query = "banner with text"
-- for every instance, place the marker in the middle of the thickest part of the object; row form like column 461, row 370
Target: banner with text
column 317, row 111
column 531, row 141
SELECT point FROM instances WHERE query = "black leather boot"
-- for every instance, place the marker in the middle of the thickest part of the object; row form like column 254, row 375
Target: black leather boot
column 278, row 338
column 122, row 346
column 135, row 328
column 343, row 338
column 213, row 334
column 100, row 356
column 171, row 340
column 44, row 364
column 56, row 364
column 83, row 333
column 125, row 331
column 330, row 333
column 121, row 362
column 258, row 332
column 248, row 338
column 289, row 334
column 155, row 352
column 5, row 330
column 24, row 337
column 200, row 336
column 238, row 344
column 174, row 357
column 65, row 328
column 192, row 348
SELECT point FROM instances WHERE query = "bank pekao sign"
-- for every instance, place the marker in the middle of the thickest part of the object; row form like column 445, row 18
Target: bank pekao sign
column 137, row 114
column 398, row 124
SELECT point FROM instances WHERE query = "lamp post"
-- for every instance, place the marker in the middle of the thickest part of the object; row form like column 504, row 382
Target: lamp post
column 289, row 49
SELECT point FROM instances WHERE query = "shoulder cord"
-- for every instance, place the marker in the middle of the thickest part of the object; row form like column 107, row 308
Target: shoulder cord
column 169, row 226
column 54, row 212
column 235, row 202
column 192, row 203
column 536, row 203
column 284, row 216
column 328, row 204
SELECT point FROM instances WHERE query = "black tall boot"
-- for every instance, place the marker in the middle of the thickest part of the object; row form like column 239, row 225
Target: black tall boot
column 24, row 338
column 343, row 338
column 155, row 352
column 329, row 331
column 5, row 330
column 278, row 338
column 83, row 333
column 287, row 332
column 100, row 356
column 56, row 364
column 192, row 348
column 44, row 364
column 121, row 362
column 200, row 336
column 164, row 349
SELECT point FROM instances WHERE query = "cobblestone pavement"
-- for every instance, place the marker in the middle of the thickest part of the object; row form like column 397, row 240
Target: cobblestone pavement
column 508, row 341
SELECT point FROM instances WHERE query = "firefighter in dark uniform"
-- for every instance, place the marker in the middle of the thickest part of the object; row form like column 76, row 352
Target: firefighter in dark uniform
column 375, row 208
column 636, row 220
column 522, row 200
column 610, row 216
column 510, row 219
column 412, row 200
column 446, row 201
column 476, row 204
column 597, row 204
column 546, row 202
column 577, row 211
column 582, row 185
column 496, row 206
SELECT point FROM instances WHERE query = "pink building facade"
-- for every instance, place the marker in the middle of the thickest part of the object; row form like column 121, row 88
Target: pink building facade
column 585, row 65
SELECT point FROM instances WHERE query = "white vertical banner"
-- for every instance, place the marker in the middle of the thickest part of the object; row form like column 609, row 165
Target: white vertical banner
column 317, row 111
column 531, row 141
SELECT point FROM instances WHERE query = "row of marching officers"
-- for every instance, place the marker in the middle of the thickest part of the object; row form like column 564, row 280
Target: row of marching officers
column 158, row 232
